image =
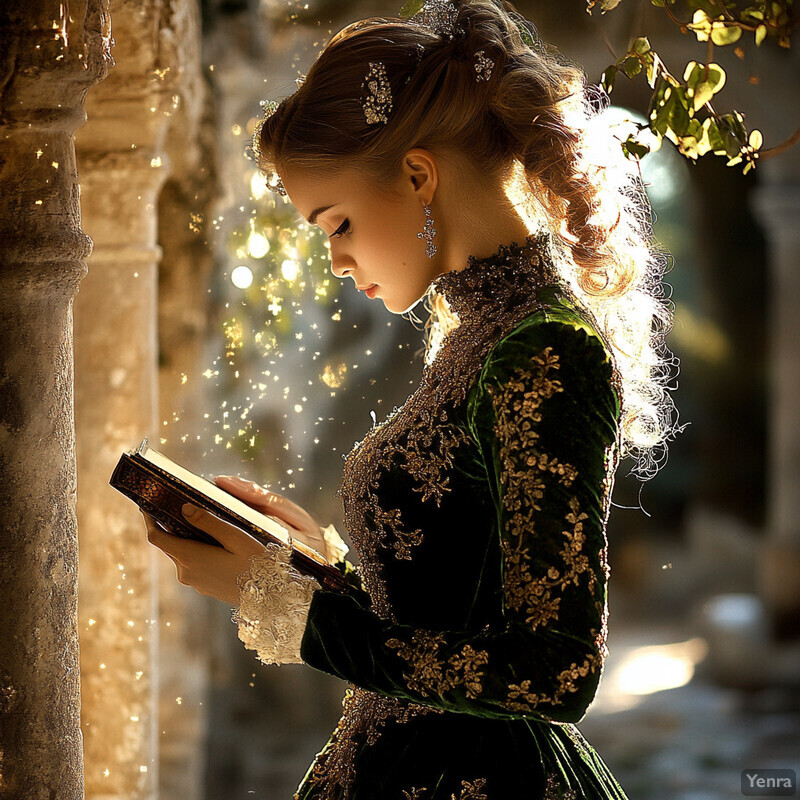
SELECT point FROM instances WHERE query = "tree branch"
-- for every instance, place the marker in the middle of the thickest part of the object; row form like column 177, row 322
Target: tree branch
column 780, row 148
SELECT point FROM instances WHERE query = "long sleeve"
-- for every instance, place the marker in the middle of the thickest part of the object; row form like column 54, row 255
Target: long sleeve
column 543, row 415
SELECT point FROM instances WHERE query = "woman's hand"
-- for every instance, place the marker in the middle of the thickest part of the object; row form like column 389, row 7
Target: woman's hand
column 210, row 570
column 300, row 523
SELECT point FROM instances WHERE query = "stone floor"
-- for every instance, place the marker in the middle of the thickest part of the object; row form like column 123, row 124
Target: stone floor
column 692, row 741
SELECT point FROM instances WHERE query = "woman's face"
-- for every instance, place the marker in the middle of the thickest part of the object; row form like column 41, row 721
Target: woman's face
column 373, row 238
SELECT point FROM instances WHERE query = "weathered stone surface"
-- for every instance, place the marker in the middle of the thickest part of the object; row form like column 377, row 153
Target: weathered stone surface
column 779, row 208
column 48, row 60
column 124, row 164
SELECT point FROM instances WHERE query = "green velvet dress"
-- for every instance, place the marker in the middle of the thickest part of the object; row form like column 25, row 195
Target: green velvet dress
column 473, row 636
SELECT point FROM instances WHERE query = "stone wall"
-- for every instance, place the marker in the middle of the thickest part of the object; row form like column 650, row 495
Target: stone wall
column 49, row 58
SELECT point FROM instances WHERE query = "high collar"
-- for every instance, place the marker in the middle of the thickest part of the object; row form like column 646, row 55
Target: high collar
column 507, row 277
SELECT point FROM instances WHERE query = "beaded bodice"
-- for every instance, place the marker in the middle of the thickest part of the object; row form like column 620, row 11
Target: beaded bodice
column 491, row 296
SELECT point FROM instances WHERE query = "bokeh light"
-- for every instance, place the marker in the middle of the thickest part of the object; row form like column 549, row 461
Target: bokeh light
column 242, row 277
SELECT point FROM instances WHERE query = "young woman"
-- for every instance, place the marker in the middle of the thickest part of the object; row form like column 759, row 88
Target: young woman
column 454, row 158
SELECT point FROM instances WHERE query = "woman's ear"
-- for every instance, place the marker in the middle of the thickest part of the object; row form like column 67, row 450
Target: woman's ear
column 421, row 173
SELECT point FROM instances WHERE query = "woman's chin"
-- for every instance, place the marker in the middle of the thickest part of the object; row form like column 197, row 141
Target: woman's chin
column 401, row 309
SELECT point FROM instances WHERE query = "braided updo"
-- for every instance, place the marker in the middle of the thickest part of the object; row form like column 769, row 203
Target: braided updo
column 534, row 125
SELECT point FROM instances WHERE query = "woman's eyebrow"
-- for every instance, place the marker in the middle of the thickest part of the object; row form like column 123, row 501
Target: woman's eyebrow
column 312, row 220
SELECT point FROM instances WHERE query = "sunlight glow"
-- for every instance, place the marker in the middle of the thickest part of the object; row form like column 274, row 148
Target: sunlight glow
column 258, row 186
column 242, row 276
column 290, row 270
column 257, row 245
column 646, row 670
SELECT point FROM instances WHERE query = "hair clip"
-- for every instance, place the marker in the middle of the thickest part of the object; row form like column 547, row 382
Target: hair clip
column 378, row 102
column 273, row 180
column 483, row 66
column 275, row 184
column 439, row 16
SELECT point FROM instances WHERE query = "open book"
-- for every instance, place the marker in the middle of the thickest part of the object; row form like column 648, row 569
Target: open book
column 160, row 487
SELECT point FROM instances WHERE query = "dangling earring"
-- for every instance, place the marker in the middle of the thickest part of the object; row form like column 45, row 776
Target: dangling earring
column 428, row 234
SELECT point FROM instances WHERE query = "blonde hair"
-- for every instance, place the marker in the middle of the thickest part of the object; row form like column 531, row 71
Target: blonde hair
column 536, row 126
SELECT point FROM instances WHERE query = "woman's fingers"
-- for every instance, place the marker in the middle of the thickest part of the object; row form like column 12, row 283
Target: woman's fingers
column 173, row 546
column 210, row 570
column 233, row 539
column 267, row 502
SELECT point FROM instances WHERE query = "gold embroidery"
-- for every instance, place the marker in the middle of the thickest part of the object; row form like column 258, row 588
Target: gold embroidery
column 521, row 698
column 433, row 675
column 517, row 414
column 553, row 790
column 471, row 790
column 491, row 297
column 364, row 715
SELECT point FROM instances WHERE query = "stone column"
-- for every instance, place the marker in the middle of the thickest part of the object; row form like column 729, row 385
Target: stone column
column 122, row 167
column 124, row 158
column 779, row 209
column 184, row 220
column 49, row 58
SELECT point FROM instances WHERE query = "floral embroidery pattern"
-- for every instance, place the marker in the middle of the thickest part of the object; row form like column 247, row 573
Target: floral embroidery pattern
column 523, row 468
column 490, row 297
column 524, row 474
column 470, row 790
column 431, row 674
column 418, row 444
column 553, row 790
column 364, row 715
column 521, row 698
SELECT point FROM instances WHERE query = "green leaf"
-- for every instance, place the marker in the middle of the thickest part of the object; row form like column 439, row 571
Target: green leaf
column 608, row 78
column 640, row 46
column 761, row 32
column 696, row 142
column 651, row 61
column 715, row 138
column 410, row 8
column 703, row 82
column 631, row 66
column 634, row 148
column 701, row 25
column 722, row 34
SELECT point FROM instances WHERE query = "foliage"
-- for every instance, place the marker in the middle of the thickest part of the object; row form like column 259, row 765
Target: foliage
column 681, row 109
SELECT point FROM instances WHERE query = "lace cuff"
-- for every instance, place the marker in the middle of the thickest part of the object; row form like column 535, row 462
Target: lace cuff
column 274, row 602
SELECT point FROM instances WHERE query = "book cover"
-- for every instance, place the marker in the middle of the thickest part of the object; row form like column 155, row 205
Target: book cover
column 160, row 487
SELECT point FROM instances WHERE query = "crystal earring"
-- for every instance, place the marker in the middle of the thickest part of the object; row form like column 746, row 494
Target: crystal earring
column 428, row 234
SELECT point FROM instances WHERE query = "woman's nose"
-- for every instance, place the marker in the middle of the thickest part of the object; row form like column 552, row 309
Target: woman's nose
column 339, row 269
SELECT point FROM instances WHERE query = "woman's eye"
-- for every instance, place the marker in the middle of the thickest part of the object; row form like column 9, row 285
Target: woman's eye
column 342, row 229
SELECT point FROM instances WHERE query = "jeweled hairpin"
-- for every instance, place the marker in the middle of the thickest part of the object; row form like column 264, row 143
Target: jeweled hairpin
column 274, row 182
column 483, row 66
column 439, row 16
column 378, row 101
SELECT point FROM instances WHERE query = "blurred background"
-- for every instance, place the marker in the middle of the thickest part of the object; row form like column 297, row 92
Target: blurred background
column 268, row 368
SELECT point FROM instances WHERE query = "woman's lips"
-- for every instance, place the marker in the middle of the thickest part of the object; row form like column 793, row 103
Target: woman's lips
column 369, row 290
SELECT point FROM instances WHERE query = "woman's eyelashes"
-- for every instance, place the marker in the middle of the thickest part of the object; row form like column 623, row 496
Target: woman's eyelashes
column 342, row 229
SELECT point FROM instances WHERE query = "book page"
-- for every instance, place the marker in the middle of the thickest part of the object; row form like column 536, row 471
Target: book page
column 268, row 524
